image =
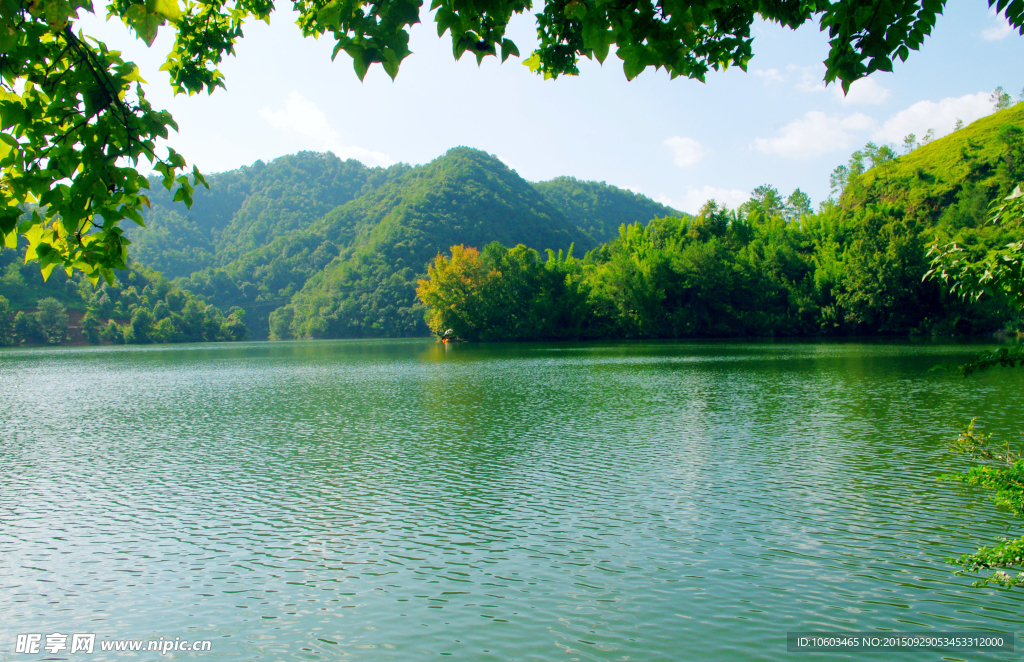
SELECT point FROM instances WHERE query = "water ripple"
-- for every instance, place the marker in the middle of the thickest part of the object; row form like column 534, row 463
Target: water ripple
column 394, row 500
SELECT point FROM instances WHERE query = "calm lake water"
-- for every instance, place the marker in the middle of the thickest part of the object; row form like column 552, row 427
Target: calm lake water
column 395, row 500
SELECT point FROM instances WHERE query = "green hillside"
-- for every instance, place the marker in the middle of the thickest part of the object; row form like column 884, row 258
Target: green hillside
column 466, row 196
column 943, row 180
column 598, row 209
column 246, row 209
column 312, row 246
column 381, row 240
column 772, row 267
column 141, row 306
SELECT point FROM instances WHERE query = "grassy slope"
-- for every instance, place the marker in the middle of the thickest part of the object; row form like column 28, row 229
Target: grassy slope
column 929, row 179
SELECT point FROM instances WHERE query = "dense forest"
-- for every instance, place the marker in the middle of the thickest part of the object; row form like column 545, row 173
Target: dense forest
column 333, row 248
column 309, row 246
column 771, row 267
column 353, row 271
column 141, row 307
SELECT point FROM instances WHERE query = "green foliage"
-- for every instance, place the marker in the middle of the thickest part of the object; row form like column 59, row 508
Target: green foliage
column 91, row 328
column 976, row 161
column 597, row 209
column 972, row 270
column 141, row 306
column 281, row 323
column 26, row 328
column 6, row 323
column 246, row 209
column 1001, row 471
column 76, row 122
column 853, row 267
column 505, row 294
column 885, row 263
column 771, row 267
column 467, row 195
column 1001, row 99
column 155, row 310
column 1002, row 357
column 52, row 318
column 1000, row 270
column 112, row 333
column 140, row 330
column 353, row 272
column 72, row 111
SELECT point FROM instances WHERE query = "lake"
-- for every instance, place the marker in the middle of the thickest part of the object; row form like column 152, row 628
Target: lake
column 400, row 500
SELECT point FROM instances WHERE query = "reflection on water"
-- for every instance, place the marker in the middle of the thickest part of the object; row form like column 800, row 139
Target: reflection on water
column 400, row 499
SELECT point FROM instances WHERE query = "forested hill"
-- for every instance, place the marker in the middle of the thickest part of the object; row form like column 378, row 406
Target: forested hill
column 314, row 247
column 277, row 226
column 598, row 209
column 247, row 208
column 466, row 196
column 948, row 182
column 856, row 266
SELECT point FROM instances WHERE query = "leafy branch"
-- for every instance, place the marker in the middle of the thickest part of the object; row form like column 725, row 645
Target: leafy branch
column 1002, row 470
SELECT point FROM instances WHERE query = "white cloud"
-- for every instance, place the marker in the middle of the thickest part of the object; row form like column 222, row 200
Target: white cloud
column 811, row 79
column 863, row 91
column 1000, row 30
column 769, row 75
column 694, row 198
column 815, row 134
column 686, row 152
column 940, row 116
column 302, row 116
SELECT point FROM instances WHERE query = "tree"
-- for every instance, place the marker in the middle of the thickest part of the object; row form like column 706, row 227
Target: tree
column 26, row 328
column 1000, row 468
column 6, row 323
column 233, row 328
column 1001, row 99
column 1001, row 270
column 838, row 179
column 91, row 328
column 76, row 123
column 909, row 143
column 140, row 329
column 797, row 204
column 280, row 323
column 112, row 333
column 53, row 320
column 452, row 291
column 765, row 200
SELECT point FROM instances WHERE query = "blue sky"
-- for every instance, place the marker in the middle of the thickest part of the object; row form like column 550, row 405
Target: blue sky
column 679, row 142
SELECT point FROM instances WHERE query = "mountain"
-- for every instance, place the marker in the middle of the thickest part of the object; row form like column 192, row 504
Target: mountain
column 466, row 197
column 339, row 246
column 598, row 209
column 950, row 181
column 247, row 208
column 312, row 246
column 873, row 243
column 772, row 267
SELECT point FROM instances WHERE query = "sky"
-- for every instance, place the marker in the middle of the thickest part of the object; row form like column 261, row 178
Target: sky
column 680, row 142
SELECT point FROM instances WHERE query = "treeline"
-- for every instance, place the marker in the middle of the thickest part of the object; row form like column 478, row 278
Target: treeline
column 141, row 307
column 466, row 196
column 772, row 267
column 331, row 249
column 246, row 209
